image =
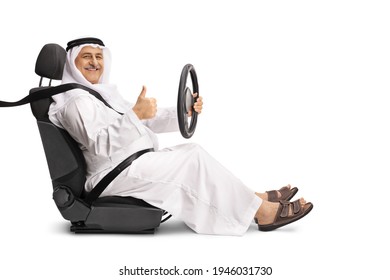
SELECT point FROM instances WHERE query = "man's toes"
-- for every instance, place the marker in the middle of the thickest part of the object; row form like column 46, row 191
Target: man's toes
column 302, row 201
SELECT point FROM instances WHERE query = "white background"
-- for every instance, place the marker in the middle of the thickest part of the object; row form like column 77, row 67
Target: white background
column 295, row 92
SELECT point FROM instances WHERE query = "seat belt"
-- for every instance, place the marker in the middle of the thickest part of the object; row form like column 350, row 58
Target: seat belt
column 102, row 185
column 48, row 92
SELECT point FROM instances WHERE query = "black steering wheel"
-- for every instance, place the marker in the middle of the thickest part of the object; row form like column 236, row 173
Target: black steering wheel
column 185, row 101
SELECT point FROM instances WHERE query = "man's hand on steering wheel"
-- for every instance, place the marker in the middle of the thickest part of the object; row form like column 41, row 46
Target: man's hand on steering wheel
column 198, row 105
column 145, row 108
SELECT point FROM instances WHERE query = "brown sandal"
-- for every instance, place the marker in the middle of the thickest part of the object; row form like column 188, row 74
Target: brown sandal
column 285, row 194
column 283, row 218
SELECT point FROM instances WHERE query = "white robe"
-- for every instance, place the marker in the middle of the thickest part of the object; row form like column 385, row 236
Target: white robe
column 183, row 180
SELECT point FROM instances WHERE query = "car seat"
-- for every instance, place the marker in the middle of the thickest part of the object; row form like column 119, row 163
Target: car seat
column 67, row 169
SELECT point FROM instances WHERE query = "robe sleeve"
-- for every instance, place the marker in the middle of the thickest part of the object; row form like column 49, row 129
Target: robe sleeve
column 164, row 121
column 100, row 129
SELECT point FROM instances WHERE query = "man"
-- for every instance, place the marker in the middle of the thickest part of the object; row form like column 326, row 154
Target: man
column 183, row 180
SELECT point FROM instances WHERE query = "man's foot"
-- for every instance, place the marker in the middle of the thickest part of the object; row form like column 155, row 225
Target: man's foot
column 273, row 215
column 285, row 193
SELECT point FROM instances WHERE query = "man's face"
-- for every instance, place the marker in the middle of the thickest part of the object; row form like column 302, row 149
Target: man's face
column 90, row 63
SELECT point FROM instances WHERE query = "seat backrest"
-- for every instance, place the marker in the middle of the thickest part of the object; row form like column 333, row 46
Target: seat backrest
column 64, row 158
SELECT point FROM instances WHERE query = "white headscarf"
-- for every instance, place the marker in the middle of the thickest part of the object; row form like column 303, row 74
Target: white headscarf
column 72, row 75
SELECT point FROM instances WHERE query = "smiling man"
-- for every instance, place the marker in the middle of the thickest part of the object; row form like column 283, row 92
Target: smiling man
column 90, row 63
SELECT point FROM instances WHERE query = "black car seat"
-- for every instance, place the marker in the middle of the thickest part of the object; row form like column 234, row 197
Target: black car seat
column 67, row 169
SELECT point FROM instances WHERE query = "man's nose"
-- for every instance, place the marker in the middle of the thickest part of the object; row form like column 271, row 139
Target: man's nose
column 93, row 61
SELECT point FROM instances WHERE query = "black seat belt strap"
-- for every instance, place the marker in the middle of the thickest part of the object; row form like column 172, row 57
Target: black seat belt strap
column 48, row 92
column 102, row 185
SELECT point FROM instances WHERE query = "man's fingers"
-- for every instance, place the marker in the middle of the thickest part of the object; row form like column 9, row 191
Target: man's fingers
column 143, row 92
column 198, row 105
column 199, row 100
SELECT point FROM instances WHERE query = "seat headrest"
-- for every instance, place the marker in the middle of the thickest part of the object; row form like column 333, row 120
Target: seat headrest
column 51, row 61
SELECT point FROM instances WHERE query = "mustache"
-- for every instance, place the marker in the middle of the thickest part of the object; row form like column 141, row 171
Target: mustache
column 92, row 67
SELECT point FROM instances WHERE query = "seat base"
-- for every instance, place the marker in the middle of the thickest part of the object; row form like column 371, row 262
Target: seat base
column 82, row 228
column 119, row 215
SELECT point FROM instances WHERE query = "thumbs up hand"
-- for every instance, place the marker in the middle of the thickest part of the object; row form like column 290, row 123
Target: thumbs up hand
column 145, row 108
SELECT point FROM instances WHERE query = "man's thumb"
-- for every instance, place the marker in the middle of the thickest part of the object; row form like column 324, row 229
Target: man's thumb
column 143, row 92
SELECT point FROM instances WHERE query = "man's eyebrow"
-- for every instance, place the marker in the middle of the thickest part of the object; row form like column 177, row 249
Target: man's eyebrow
column 90, row 53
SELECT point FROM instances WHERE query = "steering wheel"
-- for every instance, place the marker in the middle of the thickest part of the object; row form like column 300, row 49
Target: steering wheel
column 185, row 101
